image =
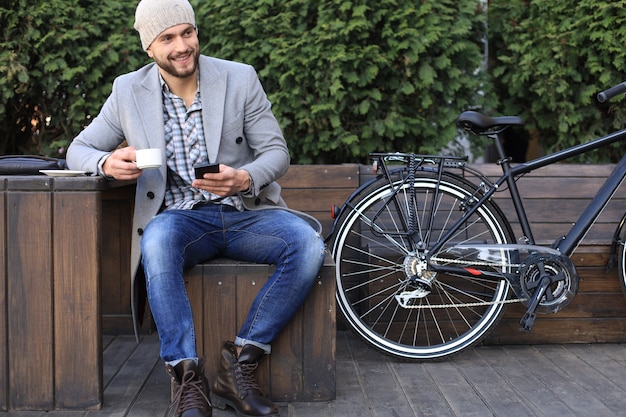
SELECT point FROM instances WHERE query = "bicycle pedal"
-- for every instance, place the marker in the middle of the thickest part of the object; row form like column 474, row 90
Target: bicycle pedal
column 527, row 322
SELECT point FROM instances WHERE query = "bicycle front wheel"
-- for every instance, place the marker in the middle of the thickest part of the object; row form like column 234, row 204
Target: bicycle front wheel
column 379, row 253
column 620, row 237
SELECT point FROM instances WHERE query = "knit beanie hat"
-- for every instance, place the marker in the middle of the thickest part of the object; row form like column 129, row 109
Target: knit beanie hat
column 154, row 16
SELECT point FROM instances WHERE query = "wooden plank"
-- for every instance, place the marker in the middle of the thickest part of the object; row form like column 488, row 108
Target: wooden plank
column 599, row 281
column 220, row 312
column 315, row 201
column 564, row 170
column 560, row 210
column 351, row 398
column 152, row 399
column 595, row 383
column 570, row 330
column 555, row 196
column 493, row 389
column 584, row 305
column 195, row 288
column 287, row 360
column 569, row 188
column 77, row 319
column 122, row 392
column 551, row 219
column 116, row 231
column 427, row 401
column 577, row 397
column 321, row 176
column 249, row 283
column 315, row 188
column 509, row 364
column 320, row 337
column 29, row 298
column 115, row 355
column 381, row 387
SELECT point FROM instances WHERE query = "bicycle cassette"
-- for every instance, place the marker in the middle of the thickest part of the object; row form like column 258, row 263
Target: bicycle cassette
column 563, row 281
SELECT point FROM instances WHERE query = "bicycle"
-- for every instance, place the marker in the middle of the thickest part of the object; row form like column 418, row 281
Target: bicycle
column 425, row 260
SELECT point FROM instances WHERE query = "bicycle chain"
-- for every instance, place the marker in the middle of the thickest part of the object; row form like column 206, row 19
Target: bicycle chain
column 484, row 303
column 476, row 263
column 476, row 304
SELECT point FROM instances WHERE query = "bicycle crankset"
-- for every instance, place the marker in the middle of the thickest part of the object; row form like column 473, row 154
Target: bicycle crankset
column 548, row 283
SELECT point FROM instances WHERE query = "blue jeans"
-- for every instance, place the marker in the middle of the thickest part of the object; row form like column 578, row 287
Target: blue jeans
column 176, row 240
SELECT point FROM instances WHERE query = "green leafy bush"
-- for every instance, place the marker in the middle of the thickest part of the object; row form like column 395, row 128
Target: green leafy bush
column 549, row 59
column 58, row 59
column 351, row 77
column 345, row 78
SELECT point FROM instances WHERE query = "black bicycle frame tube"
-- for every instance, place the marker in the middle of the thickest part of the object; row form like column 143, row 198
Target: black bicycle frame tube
column 569, row 242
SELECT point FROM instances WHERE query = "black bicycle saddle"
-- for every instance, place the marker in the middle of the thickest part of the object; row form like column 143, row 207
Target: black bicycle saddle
column 479, row 123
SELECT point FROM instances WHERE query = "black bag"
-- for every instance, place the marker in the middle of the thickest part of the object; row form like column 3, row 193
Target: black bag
column 28, row 164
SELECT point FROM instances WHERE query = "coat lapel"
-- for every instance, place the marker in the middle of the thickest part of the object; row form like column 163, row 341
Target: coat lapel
column 213, row 94
column 149, row 102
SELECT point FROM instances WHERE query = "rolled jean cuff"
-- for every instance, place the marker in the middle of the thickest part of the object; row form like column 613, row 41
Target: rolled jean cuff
column 242, row 342
column 177, row 361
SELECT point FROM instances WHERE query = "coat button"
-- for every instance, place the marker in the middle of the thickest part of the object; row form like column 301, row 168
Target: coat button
column 239, row 140
column 140, row 231
column 257, row 201
column 150, row 195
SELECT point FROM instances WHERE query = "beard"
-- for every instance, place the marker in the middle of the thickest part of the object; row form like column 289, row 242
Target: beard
column 176, row 71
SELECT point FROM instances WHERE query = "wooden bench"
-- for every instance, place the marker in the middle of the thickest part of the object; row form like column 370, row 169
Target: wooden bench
column 65, row 279
column 302, row 364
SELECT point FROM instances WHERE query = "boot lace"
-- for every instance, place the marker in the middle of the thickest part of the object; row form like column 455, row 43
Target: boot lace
column 190, row 395
column 245, row 378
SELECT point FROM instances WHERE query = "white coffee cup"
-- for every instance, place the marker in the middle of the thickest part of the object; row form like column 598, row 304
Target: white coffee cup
column 149, row 158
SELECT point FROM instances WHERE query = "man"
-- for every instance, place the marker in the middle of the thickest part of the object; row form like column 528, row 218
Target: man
column 199, row 109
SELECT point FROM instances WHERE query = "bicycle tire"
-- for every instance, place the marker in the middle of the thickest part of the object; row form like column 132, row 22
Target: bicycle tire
column 370, row 266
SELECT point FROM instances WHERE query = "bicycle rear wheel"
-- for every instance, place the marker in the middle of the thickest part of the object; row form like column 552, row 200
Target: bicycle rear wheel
column 377, row 261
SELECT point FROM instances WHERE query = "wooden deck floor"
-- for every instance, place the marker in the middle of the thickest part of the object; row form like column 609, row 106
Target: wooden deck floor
column 545, row 380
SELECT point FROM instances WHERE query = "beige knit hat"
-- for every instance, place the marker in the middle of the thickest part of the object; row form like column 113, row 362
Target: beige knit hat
column 154, row 16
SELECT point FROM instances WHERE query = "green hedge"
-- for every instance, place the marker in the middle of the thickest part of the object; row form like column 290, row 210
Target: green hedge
column 345, row 78
column 57, row 61
column 549, row 59
column 350, row 77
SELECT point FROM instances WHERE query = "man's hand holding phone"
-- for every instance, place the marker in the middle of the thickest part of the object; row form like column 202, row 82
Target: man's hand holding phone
column 223, row 180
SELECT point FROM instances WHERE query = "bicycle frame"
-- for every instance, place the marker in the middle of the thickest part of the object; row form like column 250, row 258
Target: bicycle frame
column 568, row 243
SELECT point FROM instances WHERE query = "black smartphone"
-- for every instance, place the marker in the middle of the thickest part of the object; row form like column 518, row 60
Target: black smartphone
column 202, row 169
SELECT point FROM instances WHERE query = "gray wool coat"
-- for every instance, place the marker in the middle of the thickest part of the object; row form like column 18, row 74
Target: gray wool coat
column 240, row 131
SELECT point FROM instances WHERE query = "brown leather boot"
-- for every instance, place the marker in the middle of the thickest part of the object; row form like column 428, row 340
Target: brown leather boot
column 236, row 384
column 190, row 389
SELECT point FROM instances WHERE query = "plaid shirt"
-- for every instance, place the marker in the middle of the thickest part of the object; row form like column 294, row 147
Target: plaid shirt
column 184, row 148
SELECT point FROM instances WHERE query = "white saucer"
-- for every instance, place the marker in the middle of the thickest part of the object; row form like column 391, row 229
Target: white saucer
column 149, row 166
column 61, row 172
